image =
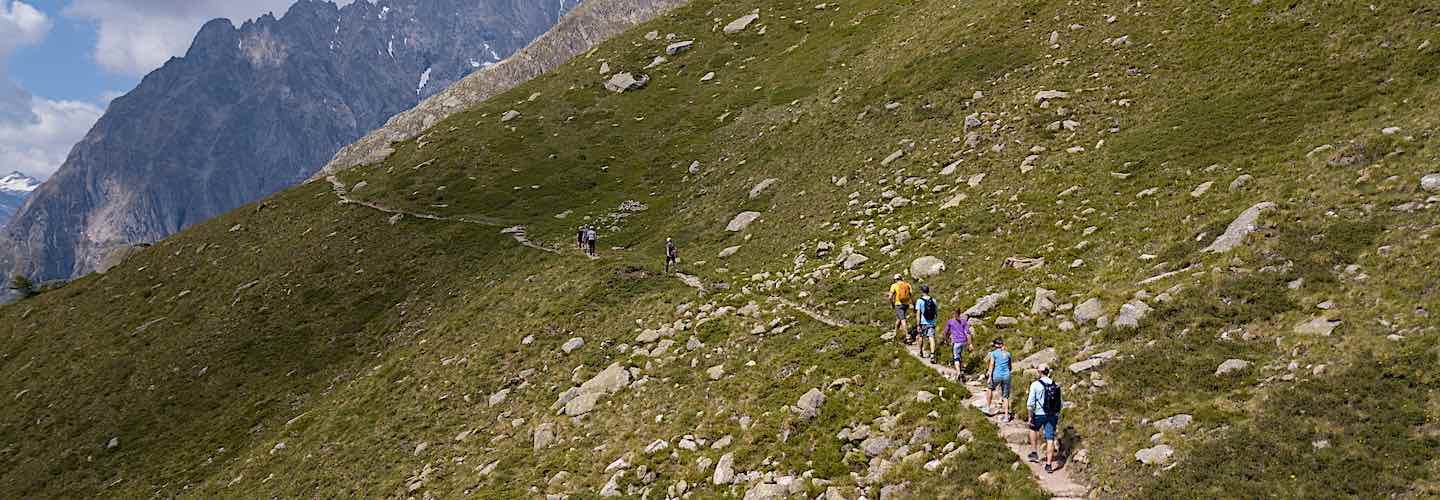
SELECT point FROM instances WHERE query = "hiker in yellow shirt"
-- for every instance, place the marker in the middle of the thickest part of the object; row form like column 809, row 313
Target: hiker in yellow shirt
column 901, row 297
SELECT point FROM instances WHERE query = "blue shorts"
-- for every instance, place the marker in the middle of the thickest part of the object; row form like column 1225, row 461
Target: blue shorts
column 927, row 331
column 902, row 311
column 1046, row 422
column 959, row 350
column 1003, row 384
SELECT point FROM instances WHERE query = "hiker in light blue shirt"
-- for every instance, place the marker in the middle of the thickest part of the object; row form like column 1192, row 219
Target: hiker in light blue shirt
column 1044, row 404
column 999, row 378
column 928, row 313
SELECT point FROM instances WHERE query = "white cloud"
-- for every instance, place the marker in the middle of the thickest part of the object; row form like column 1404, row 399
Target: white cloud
column 137, row 36
column 39, row 147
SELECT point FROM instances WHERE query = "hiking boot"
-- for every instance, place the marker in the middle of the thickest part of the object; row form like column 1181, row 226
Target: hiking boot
column 1034, row 457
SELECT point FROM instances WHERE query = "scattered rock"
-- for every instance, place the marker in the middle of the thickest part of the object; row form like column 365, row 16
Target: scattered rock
column 115, row 443
column 1088, row 311
column 893, row 156
column 1243, row 225
column 1174, row 423
column 986, row 303
column 875, row 446
column 1231, row 366
column 729, row 251
column 724, row 470
column 742, row 221
column 741, row 23
column 926, row 267
column 1158, row 455
column 1317, row 326
column 1202, row 189
column 678, row 47
column 810, row 403
column 499, row 397
column 509, row 115
column 1431, row 183
column 1240, row 182
column 1131, row 313
column 572, row 344
column 853, row 261
column 761, row 187
column 624, row 82
column 1049, row 95
column 715, row 372
column 1006, row 322
column 544, row 436
column 924, row 396
column 1045, row 357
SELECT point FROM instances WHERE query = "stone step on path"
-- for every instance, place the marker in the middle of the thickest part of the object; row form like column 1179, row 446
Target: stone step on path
column 1058, row 484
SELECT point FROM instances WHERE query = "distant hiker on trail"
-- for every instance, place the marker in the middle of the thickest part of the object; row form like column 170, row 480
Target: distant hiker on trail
column 998, row 375
column 958, row 330
column 580, row 238
column 900, row 296
column 927, row 314
column 1044, row 404
column 591, row 236
column 672, row 256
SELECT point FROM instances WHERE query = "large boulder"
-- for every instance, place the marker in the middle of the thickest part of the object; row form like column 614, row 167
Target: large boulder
column 742, row 221
column 724, row 470
column 741, row 24
column 1431, row 183
column 1046, row 357
column 1243, row 225
column 1174, row 423
column 1318, row 326
column 1158, row 455
column 1231, row 366
column 624, row 82
column 608, row 381
column 926, row 267
column 1131, row 313
column 874, row 446
column 809, row 404
column 1044, row 301
column 986, row 303
column 761, row 187
column 853, row 261
column 1088, row 311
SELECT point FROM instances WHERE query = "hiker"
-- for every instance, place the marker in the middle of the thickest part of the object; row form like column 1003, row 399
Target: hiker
column 672, row 256
column 998, row 375
column 927, row 314
column 1044, row 404
column 958, row 331
column 580, row 238
column 590, row 237
column 900, row 297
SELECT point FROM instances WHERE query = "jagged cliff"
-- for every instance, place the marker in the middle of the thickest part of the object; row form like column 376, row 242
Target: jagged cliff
column 251, row 110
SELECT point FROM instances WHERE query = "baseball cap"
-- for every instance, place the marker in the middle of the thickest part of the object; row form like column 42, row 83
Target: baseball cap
column 898, row 277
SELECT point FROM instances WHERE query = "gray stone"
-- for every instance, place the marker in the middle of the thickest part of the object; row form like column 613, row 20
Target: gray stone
column 612, row 487
column 741, row 23
column 728, row 251
column 1049, row 95
column 924, row 396
column 853, row 261
column 1088, row 311
column 1431, row 183
column 499, row 397
column 986, row 303
column 724, row 470
column 1086, row 365
column 544, row 436
column 742, row 221
column 1317, row 326
column 1046, row 357
column 810, row 403
column 1131, row 313
column 582, row 404
column 1202, row 189
column 761, row 187
column 1044, row 301
column 1243, row 225
column 715, row 372
column 893, row 156
column 624, row 82
column 767, row 491
column 926, row 267
column 1240, row 182
column 1006, row 322
column 572, row 344
column 1231, row 366
column 1158, row 455
column 509, row 115
column 899, row 202
column 1174, row 423
column 875, row 446
column 678, row 47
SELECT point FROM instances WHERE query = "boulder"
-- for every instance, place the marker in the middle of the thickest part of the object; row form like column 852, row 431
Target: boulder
column 582, row 404
column 1240, row 182
column 767, row 491
column 727, row 252
column 810, row 403
column 742, row 221
column 924, row 396
column 1243, row 225
column 608, row 381
column 853, row 261
column 986, row 303
column 1431, row 183
column 624, row 82
column 1158, row 455
column 954, row 201
column 1049, row 95
column 572, row 344
column 875, row 446
column 1131, row 313
column 1231, row 366
column 678, row 47
column 1174, row 423
column 741, row 23
column 715, row 372
column 1088, row 311
column 926, row 267
column 509, row 115
column 544, row 436
column 1044, row 301
column 900, row 202
column 1318, row 326
column 724, row 470
column 1006, row 322
column 761, row 187
column 1045, row 357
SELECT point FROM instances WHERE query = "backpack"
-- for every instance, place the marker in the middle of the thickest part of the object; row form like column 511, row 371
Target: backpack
column 1051, row 403
column 931, row 310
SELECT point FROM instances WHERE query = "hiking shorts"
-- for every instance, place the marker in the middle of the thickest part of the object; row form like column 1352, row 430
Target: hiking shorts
column 1046, row 423
column 902, row 311
column 1003, row 384
column 959, row 350
column 927, row 331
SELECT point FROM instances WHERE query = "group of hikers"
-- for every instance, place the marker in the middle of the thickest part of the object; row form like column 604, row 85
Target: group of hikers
column 585, row 238
column 1043, row 401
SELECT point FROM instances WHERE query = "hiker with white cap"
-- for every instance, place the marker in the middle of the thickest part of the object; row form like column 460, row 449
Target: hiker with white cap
column 1044, row 404
column 672, row 256
column 900, row 296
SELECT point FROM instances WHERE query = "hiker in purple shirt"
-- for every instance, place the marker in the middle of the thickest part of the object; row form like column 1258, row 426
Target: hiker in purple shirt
column 958, row 329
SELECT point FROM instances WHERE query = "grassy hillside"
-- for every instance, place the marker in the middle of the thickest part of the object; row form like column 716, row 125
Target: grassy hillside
column 309, row 348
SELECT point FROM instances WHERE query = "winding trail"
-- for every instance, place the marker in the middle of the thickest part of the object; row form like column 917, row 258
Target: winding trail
column 1058, row 484
column 815, row 315
column 516, row 232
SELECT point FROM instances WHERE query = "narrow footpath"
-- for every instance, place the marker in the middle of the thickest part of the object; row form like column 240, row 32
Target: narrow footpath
column 1058, row 484
column 516, row 232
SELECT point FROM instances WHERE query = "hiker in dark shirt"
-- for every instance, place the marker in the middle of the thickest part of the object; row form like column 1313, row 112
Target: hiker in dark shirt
column 672, row 256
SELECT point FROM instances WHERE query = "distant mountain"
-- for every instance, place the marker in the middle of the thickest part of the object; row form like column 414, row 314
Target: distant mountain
column 252, row 110
column 14, row 189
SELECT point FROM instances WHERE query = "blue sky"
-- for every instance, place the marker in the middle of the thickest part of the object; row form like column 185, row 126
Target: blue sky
column 61, row 61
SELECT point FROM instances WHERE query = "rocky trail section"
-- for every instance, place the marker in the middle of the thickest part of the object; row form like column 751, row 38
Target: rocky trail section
column 1015, row 434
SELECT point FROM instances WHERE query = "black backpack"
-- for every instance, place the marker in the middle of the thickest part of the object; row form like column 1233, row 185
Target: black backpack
column 932, row 310
column 1052, row 403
